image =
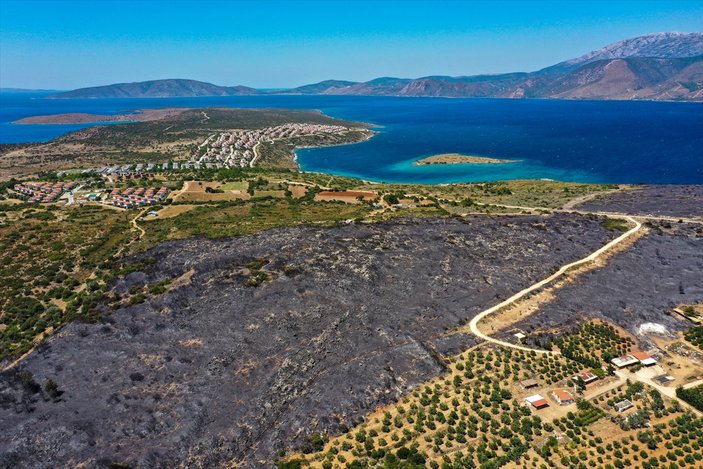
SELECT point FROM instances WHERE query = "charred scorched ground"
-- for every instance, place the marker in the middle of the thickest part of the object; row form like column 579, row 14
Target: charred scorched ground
column 674, row 201
column 634, row 290
column 267, row 338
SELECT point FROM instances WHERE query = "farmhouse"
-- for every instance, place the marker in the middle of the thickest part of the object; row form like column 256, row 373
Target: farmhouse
column 644, row 358
column 622, row 362
column 563, row 396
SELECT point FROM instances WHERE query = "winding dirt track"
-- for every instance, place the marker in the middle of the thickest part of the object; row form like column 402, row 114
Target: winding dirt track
column 136, row 225
column 252, row 163
column 473, row 325
column 622, row 374
column 672, row 219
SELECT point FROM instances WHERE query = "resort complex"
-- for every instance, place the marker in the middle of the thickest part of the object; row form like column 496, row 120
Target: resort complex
column 43, row 192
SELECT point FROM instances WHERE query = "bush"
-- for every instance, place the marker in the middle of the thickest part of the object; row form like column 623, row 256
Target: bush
column 403, row 453
column 292, row 464
column 391, row 199
column 693, row 396
column 28, row 382
column 314, row 442
column 51, row 389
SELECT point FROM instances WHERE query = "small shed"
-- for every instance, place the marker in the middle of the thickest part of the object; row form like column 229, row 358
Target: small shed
column 587, row 377
column 528, row 383
column 663, row 379
column 537, row 401
column 622, row 406
column 622, row 362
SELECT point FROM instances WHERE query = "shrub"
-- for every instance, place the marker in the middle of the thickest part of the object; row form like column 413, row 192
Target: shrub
column 51, row 388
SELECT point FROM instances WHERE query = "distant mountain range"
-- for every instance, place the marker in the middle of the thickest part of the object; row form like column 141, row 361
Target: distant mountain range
column 25, row 90
column 661, row 66
column 169, row 88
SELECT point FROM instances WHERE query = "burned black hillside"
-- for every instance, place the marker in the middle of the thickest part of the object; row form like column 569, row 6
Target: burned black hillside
column 260, row 340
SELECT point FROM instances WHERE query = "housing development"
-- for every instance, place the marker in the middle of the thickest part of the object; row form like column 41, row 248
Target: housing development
column 137, row 197
column 238, row 148
column 43, row 192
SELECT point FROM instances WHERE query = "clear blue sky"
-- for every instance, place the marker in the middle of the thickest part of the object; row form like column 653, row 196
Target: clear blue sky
column 69, row 44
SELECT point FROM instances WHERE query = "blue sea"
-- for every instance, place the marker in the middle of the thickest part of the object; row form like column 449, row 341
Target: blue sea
column 581, row 141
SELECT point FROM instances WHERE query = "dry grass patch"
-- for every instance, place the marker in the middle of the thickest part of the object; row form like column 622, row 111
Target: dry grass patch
column 173, row 210
column 350, row 197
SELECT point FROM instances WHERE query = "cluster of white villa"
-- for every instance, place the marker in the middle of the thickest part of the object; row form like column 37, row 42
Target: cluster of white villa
column 239, row 147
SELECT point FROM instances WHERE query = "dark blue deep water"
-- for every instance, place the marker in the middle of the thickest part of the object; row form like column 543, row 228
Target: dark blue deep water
column 584, row 141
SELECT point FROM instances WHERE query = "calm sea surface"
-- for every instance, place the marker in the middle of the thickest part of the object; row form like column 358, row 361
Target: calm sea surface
column 584, row 141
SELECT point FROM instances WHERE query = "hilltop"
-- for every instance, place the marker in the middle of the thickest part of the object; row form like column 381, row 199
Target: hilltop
column 157, row 89
column 653, row 66
column 660, row 45
column 660, row 66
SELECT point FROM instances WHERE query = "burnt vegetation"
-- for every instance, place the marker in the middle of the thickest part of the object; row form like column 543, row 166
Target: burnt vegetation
column 347, row 318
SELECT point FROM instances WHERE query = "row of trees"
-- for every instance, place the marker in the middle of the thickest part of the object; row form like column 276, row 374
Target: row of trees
column 693, row 396
column 472, row 419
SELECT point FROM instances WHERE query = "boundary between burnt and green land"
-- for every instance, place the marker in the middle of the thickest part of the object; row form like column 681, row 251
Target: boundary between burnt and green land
column 473, row 324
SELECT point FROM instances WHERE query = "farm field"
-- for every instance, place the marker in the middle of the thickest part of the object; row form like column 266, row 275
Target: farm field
column 199, row 191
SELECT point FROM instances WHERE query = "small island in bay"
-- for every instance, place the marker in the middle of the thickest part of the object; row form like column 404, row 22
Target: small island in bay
column 458, row 158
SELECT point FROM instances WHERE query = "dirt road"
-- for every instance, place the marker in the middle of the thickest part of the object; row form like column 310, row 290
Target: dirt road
column 664, row 390
column 473, row 325
column 136, row 225
column 604, row 214
column 252, row 163
column 584, row 198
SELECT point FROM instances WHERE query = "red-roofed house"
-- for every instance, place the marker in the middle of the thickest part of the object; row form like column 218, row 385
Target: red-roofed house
column 644, row 358
column 563, row 396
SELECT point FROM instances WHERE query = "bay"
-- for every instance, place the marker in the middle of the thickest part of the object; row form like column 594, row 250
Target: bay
column 581, row 141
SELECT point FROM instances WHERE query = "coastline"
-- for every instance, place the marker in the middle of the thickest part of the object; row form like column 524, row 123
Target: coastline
column 380, row 162
column 72, row 118
column 369, row 136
